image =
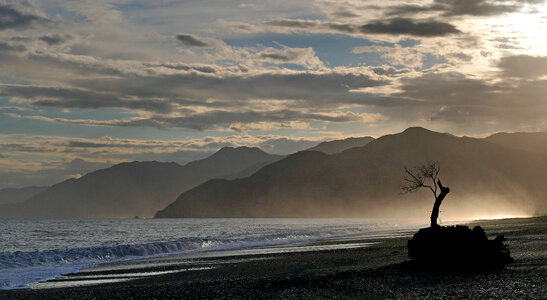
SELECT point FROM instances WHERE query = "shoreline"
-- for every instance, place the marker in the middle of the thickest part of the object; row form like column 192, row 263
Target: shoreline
column 375, row 271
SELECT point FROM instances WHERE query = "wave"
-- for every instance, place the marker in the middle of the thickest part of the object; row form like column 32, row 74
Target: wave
column 90, row 244
column 33, row 266
column 21, row 259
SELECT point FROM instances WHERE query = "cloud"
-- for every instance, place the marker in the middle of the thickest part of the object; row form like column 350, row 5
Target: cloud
column 79, row 98
column 194, row 41
column 301, row 56
column 95, row 11
column 198, row 96
column 321, row 88
column 162, row 88
column 20, row 16
column 184, row 67
column 231, row 120
column 465, row 102
column 523, row 66
column 9, row 47
column 396, row 55
column 395, row 26
column 317, row 26
column 303, row 24
column 451, row 8
column 55, row 39
column 389, row 71
column 404, row 26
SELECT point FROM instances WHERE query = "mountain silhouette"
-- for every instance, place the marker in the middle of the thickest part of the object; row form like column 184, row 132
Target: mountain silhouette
column 17, row 195
column 528, row 141
column 132, row 189
column 336, row 146
column 365, row 182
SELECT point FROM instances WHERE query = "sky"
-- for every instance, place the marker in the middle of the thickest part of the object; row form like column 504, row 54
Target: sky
column 88, row 84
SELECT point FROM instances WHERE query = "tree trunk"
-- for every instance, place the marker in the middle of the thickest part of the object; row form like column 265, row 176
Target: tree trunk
column 437, row 205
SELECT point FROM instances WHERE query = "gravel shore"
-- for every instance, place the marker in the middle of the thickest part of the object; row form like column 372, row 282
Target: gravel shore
column 377, row 272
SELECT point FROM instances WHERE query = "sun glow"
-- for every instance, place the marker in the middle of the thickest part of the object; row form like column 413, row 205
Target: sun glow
column 499, row 217
column 523, row 33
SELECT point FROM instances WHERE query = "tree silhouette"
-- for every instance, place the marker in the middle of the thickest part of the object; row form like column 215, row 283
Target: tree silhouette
column 426, row 176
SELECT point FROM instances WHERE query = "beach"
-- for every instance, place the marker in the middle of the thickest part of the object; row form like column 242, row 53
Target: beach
column 372, row 267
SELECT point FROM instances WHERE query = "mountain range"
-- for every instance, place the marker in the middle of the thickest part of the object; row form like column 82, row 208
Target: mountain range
column 134, row 188
column 333, row 147
column 486, row 177
column 355, row 177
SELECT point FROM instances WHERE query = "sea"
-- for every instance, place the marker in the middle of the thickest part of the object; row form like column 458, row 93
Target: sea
column 33, row 251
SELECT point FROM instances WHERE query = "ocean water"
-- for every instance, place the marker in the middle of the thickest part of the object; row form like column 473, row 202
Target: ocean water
column 36, row 250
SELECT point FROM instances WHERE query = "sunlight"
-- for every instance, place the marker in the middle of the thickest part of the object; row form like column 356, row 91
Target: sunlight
column 500, row 217
column 523, row 32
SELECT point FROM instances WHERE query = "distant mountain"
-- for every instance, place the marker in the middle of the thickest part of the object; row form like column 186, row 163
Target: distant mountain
column 17, row 195
column 485, row 179
column 132, row 189
column 528, row 141
column 337, row 146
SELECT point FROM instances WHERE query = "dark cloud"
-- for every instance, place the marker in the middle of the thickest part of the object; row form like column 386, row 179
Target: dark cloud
column 275, row 56
column 471, row 103
column 344, row 13
column 13, row 17
column 346, row 28
column 302, row 56
column 78, row 98
column 55, row 39
column 184, row 67
column 447, row 88
column 151, row 89
column 389, row 71
column 396, row 26
column 451, row 8
column 9, row 47
column 192, row 40
column 292, row 23
column 400, row 26
column 523, row 66
column 322, row 89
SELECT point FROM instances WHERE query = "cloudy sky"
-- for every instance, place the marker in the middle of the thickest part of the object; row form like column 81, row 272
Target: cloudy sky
column 86, row 84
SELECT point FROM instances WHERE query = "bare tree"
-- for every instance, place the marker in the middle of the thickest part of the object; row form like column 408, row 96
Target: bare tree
column 426, row 176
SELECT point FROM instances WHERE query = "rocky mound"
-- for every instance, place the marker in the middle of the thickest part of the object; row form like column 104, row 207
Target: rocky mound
column 457, row 248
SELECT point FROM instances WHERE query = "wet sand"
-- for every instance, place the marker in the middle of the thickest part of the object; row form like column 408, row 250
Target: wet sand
column 368, row 268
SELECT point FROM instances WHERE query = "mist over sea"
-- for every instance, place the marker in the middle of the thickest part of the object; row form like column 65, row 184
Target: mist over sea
column 36, row 250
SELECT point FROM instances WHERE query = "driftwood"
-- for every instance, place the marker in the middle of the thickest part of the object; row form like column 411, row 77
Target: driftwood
column 457, row 248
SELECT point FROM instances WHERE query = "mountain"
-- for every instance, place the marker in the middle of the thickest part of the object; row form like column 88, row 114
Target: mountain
column 486, row 179
column 337, row 146
column 528, row 141
column 17, row 195
column 132, row 189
